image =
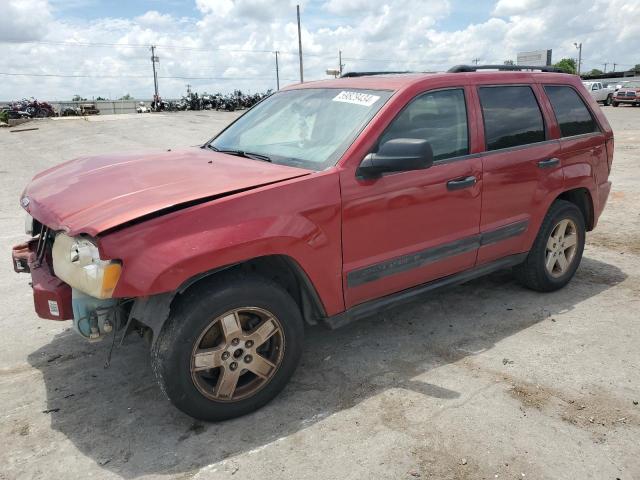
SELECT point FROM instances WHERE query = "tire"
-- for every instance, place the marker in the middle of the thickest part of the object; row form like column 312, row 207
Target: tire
column 607, row 101
column 190, row 325
column 615, row 104
column 533, row 272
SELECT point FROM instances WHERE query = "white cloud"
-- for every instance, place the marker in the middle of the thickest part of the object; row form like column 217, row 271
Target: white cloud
column 373, row 35
column 24, row 19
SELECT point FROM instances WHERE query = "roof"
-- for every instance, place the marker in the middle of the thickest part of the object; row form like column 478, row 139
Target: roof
column 397, row 82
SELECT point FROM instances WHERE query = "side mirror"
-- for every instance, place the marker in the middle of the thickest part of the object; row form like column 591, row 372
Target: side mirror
column 397, row 155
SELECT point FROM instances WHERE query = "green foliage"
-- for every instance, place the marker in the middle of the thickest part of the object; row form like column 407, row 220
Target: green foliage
column 101, row 98
column 636, row 68
column 509, row 62
column 78, row 98
column 126, row 97
column 567, row 65
column 4, row 117
column 595, row 71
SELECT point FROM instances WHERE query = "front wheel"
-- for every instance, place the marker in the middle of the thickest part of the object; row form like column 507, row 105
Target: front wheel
column 229, row 346
column 557, row 249
column 615, row 104
column 607, row 101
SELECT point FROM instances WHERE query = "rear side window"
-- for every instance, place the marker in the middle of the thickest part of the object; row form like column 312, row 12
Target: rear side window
column 439, row 117
column 572, row 114
column 511, row 115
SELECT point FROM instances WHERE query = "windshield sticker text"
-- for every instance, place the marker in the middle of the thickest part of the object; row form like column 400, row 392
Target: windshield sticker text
column 357, row 98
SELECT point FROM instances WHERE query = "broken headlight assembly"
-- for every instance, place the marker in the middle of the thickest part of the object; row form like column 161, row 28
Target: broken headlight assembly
column 77, row 262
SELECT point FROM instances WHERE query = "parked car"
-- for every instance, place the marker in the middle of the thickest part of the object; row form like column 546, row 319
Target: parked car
column 600, row 92
column 325, row 203
column 142, row 108
column 629, row 93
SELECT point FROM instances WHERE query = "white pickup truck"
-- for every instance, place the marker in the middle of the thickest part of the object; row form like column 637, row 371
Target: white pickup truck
column 600, row 92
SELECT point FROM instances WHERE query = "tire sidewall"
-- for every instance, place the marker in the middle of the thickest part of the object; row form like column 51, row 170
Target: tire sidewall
column 171, row 353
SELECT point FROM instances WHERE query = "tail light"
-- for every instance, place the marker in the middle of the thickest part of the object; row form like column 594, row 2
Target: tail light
column 609, row 145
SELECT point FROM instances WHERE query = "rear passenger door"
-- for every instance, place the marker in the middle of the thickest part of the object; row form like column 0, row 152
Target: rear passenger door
column 520, row 166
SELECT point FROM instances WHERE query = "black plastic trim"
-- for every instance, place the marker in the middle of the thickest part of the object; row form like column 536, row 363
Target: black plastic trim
column 403, row 263
column 372, row 307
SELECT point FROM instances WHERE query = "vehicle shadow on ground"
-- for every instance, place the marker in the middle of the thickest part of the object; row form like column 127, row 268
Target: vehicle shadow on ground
column 119, row 418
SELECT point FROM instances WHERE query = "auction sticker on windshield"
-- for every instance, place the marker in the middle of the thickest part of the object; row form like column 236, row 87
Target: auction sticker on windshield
column 357, row 98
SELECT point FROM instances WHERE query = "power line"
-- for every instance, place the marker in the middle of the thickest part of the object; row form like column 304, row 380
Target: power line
column 177, row 77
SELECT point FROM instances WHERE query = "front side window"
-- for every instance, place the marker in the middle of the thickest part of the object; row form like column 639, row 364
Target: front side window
column 309, row 128
column 439, row 117
column 511, row 115
column 573, row 116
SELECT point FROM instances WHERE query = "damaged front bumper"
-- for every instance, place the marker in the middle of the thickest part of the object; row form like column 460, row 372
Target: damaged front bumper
column 55, row 300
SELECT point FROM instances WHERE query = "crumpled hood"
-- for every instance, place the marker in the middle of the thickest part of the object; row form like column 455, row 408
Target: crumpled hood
column 93, row 194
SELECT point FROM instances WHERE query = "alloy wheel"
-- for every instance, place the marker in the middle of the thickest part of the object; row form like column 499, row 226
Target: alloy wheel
column 561, row 248
column 237, row 354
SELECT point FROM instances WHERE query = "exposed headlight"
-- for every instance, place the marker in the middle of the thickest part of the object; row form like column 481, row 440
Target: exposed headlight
column 77, row 262
column 28, row 225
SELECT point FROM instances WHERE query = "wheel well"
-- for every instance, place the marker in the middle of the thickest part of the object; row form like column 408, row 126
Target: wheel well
column 283, row 270
column 581, row 198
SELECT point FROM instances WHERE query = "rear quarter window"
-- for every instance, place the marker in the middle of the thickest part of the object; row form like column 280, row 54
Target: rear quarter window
column 512, row 116
column 573, row 116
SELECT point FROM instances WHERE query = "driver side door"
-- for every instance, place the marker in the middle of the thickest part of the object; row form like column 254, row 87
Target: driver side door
column 407, row 228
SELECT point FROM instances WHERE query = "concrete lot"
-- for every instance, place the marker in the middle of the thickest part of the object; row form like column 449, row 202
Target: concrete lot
column 486, row 380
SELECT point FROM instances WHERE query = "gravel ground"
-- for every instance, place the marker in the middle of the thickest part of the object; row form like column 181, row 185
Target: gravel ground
column 485, row 380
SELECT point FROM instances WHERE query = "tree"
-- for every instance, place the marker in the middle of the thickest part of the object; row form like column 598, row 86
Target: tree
column 100, row 98
column 509, row 62
column 126, row 97
column 78, row 98
column 595, row 71
column 636, row 68
column 568, row 65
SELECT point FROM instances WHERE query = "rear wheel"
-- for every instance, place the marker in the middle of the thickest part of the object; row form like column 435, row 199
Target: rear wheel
column 615, row 104
column 607, row 101
column 557, row 249
column 229, row 347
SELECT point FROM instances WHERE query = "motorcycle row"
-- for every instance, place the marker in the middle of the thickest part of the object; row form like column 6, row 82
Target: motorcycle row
column 28, row 109
column 192, row 101
column 32, row 108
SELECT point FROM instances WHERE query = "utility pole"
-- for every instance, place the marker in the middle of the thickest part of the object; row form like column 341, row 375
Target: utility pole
column 475, row 60
column 605, row 67
column 277, row 72
column 340, row 64
column 614, row 66
column 579, row 47
column 299, row 44
column 154, row 60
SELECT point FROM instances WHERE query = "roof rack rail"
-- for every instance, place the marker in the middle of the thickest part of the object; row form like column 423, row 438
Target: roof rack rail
column 473, row 68
column 367, row 74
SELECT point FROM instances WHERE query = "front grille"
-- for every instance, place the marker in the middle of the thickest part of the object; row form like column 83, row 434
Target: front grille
column 45, row 242
column 630, row 94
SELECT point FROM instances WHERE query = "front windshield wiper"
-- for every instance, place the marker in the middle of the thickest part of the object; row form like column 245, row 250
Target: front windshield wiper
column 242, row 153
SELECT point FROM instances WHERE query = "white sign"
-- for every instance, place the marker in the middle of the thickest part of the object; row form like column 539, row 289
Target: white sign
column 357, row 98
column 538, row 58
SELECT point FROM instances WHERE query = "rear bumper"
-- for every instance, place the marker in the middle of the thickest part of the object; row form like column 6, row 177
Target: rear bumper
column 51, row 296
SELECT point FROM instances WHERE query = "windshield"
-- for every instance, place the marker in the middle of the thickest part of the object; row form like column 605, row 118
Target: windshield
column 309, row 128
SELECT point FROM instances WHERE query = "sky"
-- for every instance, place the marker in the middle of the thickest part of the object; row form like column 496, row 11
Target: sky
column 54, row 49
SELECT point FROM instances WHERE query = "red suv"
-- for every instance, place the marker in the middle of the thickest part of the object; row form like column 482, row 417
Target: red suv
column 327, row 202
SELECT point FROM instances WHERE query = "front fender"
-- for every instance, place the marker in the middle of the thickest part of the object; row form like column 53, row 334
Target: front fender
column 299, row 218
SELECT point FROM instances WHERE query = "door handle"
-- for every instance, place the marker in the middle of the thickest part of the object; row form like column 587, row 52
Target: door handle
column 552, row 162
column 461, row 183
